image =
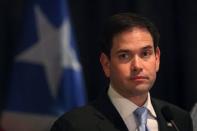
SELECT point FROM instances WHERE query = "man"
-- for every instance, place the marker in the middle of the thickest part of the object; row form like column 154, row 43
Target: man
column 130, row 58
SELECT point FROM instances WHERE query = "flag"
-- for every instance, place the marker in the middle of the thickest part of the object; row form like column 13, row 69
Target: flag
column 46, row 78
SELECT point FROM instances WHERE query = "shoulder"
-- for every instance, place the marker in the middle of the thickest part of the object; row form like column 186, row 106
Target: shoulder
column 161, row 104
column 77, row 119
column 87, row 111
column 181, row 117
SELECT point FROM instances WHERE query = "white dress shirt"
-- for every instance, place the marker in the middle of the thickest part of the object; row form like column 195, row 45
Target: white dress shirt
column 126, row 108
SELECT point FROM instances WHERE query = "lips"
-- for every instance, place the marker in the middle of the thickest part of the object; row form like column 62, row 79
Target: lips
column 136, row 78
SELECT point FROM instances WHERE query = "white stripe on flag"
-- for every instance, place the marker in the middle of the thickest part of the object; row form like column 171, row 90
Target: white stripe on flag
column 16, row 121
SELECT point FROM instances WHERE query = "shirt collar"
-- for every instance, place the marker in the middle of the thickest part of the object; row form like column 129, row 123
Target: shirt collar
column 126, row 107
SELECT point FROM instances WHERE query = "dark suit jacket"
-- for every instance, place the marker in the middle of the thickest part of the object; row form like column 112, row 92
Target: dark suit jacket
column 101, row 115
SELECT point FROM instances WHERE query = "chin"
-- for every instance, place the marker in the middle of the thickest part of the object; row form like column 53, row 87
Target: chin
column 140, row 89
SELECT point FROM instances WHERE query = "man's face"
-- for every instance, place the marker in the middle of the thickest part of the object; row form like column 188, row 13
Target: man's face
column 133, row 62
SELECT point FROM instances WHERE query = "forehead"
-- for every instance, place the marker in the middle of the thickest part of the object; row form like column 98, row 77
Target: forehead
column 134, row 39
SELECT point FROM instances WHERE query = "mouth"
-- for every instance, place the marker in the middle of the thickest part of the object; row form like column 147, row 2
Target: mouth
column 139, row 78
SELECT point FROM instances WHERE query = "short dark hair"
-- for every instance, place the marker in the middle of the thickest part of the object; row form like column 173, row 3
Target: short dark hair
column 122, row 22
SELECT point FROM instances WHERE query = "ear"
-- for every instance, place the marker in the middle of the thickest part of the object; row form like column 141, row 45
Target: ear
column 105, row 62
column 157, row 54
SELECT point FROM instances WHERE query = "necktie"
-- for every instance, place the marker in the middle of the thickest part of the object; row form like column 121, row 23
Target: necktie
column 141, row 117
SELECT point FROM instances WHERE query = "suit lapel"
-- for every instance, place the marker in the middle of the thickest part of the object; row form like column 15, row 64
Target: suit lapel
column 110, row 116
column 162, row 123
column 110, row 119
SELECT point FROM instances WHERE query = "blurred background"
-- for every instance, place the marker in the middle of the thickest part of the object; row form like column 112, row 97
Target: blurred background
column 175, row 19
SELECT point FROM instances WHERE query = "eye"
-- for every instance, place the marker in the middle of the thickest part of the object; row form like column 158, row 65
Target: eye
column 124, row 57
column 147, row 53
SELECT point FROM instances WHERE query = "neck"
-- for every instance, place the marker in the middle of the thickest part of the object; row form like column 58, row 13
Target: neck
column 139, row 100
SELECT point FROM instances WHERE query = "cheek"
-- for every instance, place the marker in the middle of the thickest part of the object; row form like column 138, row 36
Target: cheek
column 151, row 68
column 120, row 70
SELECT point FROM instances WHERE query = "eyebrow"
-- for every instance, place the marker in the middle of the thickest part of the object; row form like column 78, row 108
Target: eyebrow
column 123, row 50
column 147, row 47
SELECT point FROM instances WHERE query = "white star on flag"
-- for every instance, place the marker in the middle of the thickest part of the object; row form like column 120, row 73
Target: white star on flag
column 52, row 50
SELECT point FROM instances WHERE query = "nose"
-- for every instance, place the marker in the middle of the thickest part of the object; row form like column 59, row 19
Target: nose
column 136, row 64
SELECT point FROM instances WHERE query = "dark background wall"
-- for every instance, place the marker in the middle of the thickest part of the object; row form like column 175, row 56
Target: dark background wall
column 177, row 23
